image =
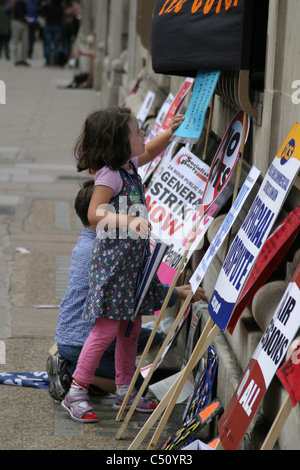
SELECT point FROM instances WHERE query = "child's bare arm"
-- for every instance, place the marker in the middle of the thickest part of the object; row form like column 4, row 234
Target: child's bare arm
column 157, row 145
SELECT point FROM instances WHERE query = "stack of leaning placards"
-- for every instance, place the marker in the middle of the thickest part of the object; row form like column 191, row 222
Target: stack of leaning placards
column 238, row 264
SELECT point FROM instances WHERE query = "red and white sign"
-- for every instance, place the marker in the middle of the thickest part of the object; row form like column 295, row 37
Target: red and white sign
column 167, row 113
column 225, row 159
column 289, row 374
column 262, row 367
column 175, row 194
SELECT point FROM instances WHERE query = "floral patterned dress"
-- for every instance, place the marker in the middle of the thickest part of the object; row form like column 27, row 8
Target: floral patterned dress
column 116, row 260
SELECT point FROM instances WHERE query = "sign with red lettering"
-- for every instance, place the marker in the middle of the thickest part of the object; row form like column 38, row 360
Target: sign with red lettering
column 174, row 194
column 225, row 159
column 289, row 374
column 192, row 35
column 262, row 367
column 163, row 122
column 272, row 253
column 255, row 229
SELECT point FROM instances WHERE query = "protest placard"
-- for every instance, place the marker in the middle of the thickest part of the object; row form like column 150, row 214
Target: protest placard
column 262, row 367
column 145, row 108
column 219, row 238
column 172, row 110
column 190, row 129
column 175, row 194
column 289, row 375
column 272, row 253
column 154, row 131
column 255, row 229
column 209, row 331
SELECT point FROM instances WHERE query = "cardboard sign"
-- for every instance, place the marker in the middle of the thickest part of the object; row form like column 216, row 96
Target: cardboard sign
column 225, row 159
column 255, row 229
column 289, row 375
column 172, row 110
column 262, row 367
column 177, row 102
column 220, row 237
column 175, row 194
column 218, row 189
column 272, row 253
column 154, row 131
column 143, row 112
column 190, row 129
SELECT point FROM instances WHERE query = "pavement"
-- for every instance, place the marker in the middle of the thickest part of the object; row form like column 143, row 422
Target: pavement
column 38, row 230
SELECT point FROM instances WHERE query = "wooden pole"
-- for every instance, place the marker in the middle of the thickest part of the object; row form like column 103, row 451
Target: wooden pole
column 208, row 127
column 219, row 446
column 209, row 333
column 277, row 425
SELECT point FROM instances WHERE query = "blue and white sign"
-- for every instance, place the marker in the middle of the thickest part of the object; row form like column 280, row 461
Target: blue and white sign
column 255, row 229
column 224, row 229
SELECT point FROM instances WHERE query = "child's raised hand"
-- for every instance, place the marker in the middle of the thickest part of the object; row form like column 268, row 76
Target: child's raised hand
column 176, row 121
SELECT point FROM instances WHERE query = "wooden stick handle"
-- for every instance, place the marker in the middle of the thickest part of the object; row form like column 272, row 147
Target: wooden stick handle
column 208, row 127
column 181, row 379
column 209, row 334
column 277, row 425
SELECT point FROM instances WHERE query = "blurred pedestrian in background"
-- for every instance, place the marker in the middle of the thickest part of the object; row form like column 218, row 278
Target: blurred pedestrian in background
column 5, row 30
column 52, row 12
column 71, row 22
column 33, row 13
column 19, row 31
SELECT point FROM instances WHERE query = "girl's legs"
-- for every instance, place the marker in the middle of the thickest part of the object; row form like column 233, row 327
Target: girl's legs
column 126, row 352
column 76, row 400
column 125, row 355
column 100, row 338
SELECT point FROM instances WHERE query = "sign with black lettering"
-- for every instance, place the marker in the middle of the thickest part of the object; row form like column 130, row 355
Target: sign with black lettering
column 255, row 229
column 271, row 255
column 176, row 193
column 262, row 367
column 225, row 159
column 223, row 231
column 192, row 35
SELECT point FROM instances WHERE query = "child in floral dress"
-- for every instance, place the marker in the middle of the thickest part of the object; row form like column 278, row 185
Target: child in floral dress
column 112, row 146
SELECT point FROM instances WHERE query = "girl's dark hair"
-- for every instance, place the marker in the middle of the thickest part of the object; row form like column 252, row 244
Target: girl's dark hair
column 104, row 140
column 83, row 200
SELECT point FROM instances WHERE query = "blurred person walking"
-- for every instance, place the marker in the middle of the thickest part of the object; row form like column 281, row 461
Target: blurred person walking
column 53, row 12
column 19, row 31
column 71, row 22
column 5, row 29
column 33, row 13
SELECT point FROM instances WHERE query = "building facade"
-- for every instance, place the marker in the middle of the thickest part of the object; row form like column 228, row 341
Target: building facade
column 123, row 55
